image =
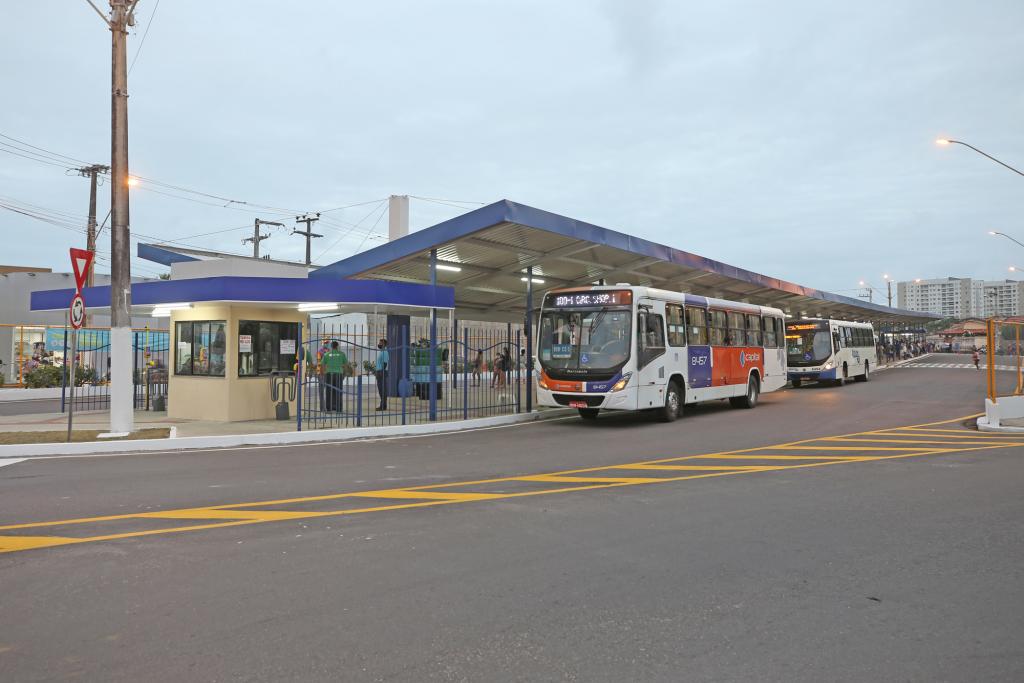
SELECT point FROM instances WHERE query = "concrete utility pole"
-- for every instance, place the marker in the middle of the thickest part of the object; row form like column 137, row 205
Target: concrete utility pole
column 90, row 240
column 122, row 416
column 257, row 237
column 308, row 220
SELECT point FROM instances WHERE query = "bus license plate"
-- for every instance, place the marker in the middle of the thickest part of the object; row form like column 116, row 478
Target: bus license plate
column 578, row 404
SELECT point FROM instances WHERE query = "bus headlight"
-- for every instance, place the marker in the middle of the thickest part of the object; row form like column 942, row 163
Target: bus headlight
column 621, row 384
column 541, row 383
column 827, row 366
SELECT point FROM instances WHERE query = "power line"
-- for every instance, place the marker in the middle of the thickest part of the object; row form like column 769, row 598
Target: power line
column 349, row 232
column 41, row 149
column 144, row 34
column 371, row 229
column 349, row 206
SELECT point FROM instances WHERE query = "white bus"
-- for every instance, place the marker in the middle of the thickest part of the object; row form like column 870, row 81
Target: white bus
column 829, row 350
column 637, row 348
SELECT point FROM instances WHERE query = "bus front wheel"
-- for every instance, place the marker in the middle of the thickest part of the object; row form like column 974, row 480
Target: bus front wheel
column 673, row 404
column 844, row 377
column 796, row 383
column 589, row 413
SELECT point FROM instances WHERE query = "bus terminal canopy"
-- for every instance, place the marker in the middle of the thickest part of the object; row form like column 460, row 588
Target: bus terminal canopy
column 484, row 256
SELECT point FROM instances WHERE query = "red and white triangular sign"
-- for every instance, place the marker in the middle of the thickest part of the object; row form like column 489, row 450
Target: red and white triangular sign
column 80, row 262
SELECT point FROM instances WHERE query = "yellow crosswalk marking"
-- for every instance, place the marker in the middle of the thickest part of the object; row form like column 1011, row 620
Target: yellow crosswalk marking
column 220, row 513
column 560, row 479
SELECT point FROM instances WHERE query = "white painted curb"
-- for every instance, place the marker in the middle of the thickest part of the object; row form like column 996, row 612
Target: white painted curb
column 28, row 394
column 984, row 426
column 273, row 438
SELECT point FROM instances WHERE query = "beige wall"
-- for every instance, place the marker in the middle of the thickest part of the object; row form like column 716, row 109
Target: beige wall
column 230, row 398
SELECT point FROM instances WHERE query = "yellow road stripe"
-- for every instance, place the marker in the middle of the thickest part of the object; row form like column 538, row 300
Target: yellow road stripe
column 426, row 495
column 919, row 441
column 554, row 478
column 786, row 457
column 426, row 498
column 694, row 467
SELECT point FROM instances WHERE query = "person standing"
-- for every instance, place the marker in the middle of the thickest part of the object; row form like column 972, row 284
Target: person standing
column 334, row 362
column 478, row 364
column 380, row 372
column 976, row 357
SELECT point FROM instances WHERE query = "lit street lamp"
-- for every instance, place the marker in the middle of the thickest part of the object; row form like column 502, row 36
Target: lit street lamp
column 946, row 141
column 996, row 232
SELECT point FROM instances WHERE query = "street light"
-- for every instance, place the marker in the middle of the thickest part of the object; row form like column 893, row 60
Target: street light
column 946, row 141
column 996, row 232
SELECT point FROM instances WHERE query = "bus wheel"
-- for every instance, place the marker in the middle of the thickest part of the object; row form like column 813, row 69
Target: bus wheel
column 589, row 413
column 796, row 383
column 749, row 400
column 867, row 373
column 673, row 404
column 843, row 378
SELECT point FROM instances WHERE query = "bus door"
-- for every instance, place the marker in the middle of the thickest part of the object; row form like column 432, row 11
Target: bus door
column 698, row 368
column 650, row 354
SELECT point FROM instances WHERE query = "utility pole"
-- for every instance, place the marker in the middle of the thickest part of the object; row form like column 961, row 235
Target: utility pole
column 122, row 416
column 889, row 283
column 90, row 241
column 257, row 237
column 308, row 220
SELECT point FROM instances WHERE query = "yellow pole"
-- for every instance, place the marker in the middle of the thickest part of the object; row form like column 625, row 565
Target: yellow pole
column 991, row 366
column 1016, row 328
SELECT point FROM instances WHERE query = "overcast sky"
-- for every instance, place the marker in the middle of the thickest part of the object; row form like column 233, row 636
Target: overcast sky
column 794, row 139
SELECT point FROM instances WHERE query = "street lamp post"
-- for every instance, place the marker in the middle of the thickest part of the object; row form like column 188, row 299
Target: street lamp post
column 888, row 285
column 1003, row 234
column 946, row 141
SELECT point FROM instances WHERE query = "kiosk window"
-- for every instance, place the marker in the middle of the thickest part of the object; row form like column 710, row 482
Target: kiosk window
column 676, row 325
column 199, row 347
column 264, row 347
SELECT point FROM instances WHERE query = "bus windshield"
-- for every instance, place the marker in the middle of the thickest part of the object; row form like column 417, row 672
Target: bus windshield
column 808, row 346
column 574, row 339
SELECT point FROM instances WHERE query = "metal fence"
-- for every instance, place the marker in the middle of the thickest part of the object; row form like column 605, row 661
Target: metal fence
column 346, row 380
column 150, row 351
column 1000, row 358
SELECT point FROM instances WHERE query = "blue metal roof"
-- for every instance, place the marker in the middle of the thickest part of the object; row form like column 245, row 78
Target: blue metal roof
column 376, row 262
column 257, row 290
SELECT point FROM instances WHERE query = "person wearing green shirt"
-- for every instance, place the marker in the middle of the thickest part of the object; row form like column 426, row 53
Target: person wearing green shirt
column 334, row 362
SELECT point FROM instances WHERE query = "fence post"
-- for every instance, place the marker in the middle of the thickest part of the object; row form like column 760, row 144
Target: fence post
column 518, row 356
column 300, row 356
column 433, row 339
column 465, row 370
column 403, row 373
column 64, row 373
column 359, row 397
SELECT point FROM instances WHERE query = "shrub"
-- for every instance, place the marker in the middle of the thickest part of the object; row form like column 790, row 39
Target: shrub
column 47, row 376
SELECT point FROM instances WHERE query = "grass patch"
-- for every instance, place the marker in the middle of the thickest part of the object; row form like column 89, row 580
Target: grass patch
column 78, row 435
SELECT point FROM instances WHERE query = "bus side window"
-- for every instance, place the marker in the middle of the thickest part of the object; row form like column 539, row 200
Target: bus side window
column 768, row 332
column 780, row 331
column 696, row 326
column 753, row 330
column 676, row 325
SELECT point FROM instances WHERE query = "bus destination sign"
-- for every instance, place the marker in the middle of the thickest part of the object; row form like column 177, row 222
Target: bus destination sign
column 593, row 298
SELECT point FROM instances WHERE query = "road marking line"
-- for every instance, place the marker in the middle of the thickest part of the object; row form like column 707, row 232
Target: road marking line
column 427, row 498
column 695, row 467
column 555, row 478
column 919, row 441
column 841, row 448
column 840, row 458
column 427, row 495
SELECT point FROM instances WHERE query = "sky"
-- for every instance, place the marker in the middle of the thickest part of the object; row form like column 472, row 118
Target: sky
column 793, row 139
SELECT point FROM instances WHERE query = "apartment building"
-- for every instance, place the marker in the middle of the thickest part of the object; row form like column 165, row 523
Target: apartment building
column 957, row 297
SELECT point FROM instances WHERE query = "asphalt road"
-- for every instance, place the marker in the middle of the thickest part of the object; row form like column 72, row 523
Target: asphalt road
column 906, row 567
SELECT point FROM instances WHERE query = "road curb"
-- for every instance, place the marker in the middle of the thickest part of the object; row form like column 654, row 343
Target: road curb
column 186, row 443
column 984, row 426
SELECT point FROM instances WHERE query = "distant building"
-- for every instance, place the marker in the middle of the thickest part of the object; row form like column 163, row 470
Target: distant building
column 22, row 328
column 959, row 297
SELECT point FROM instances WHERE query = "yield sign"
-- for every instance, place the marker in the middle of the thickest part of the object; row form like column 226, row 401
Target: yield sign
column 80, row 262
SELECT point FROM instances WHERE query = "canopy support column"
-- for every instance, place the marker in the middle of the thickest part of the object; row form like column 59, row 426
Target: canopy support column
column 529, row 339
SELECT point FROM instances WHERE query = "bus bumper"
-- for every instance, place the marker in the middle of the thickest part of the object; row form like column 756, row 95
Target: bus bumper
column 811, row 375
column 617, row 400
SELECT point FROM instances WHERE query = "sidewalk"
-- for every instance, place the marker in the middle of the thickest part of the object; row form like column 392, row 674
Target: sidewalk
column 100, row 419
